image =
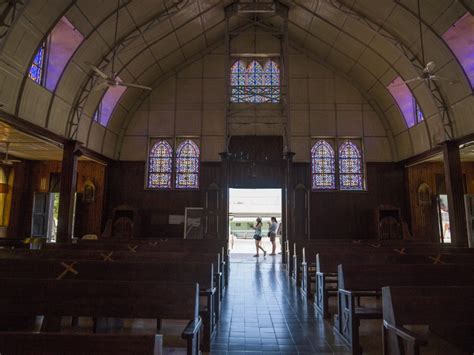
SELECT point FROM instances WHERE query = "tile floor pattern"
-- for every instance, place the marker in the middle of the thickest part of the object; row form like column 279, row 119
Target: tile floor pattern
column 264, row 314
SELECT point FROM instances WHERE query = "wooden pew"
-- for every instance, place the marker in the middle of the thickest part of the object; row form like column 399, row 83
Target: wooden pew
column 100, row 299
column 171, row 248
column 310, row 248
column 201, row 273
column 356, row 281
column 324, row 274
column 450, row 307
column 129, row 256
column 26, row 343
column 159, row 244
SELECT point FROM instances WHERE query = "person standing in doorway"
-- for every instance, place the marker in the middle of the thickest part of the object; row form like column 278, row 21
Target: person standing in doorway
column 272, row 231
column 258, row 237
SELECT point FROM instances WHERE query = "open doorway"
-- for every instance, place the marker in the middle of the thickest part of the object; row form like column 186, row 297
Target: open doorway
column 245, row 205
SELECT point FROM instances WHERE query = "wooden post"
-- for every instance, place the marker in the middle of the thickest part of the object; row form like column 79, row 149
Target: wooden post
column 455, row 190
column 67, row 191
column 288, row 208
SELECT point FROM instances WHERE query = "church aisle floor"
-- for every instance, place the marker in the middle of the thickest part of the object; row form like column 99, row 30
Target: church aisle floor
column 264, row 314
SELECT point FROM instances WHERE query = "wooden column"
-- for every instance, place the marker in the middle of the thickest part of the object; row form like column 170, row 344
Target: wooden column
column 455, row 191
column 224, row 225
column 67, row 191
column 288, row 206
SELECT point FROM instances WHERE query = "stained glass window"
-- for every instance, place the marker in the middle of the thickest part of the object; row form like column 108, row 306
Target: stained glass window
column 418, row 113
column 187, row 165
column 254, row 83
column 350, row 167
column 37, row 67
column 323, row 166
column 237, row 81
column 160, row 163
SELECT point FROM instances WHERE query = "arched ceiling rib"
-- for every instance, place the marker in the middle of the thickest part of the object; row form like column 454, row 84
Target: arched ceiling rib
column 355, row 36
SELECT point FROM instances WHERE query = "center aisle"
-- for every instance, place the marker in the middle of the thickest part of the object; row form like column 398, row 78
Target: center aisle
column 263, row 313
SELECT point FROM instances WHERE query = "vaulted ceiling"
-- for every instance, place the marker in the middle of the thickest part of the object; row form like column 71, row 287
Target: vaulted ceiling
column 369, row 42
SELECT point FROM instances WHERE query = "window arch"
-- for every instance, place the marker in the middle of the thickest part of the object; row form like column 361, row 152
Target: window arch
column 55, row 53
column 254, row 82
column 187, row 165
column 323, row 166
column 350, row 167
column 237, row 81
column 160, row 162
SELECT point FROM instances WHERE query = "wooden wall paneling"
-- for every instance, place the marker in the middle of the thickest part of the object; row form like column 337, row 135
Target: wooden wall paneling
column 338, row 214
column 125, row 186
column 19, row 224
column 261, row 167
column 424, row 218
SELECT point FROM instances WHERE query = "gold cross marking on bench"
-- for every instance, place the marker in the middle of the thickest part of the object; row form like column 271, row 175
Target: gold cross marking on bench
column 132, row 248
column 153, row 244
column 107, row 257
column 437, row 259
column 400, row 251
column 67, row 268
column 376, row 245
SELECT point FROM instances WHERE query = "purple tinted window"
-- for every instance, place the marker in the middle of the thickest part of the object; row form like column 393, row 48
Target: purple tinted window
column 63, row 41
column 460, row 38
column 322, row 162
column 350, row 167
column 107, row 106
column 406, row 102
column 37, row 67
column 187, row 165
column 160, row 163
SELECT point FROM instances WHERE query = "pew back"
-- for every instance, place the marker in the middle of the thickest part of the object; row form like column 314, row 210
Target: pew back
column 79, row 344
column 374, row 277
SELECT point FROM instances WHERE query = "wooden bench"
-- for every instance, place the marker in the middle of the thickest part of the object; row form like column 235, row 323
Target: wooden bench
column 155, row 244
column 450, row 307
column 201, row 273
column 356, row 281
column 304, row 249
column 54, row 299
column 129, row 256
column 26, row 343
column 324, row 273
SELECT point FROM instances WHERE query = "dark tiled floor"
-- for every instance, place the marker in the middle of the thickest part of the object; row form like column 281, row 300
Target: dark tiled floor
column 264, row 314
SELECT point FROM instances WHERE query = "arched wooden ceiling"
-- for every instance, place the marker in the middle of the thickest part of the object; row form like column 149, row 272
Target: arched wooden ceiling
column 370, row 42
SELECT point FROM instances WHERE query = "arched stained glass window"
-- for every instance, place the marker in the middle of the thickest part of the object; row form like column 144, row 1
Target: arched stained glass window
column 350, row 167
column 323, row 166
column 36, row 72
column 187, row 165
column 160, row 163
column 254, row 83
column 237, row 81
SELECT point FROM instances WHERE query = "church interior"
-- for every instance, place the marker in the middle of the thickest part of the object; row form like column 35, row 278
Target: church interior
column 125, row 124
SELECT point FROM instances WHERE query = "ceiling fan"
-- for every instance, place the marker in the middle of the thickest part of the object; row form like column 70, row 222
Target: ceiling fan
column 113, row 80
column 7, row 161
column 428, row 73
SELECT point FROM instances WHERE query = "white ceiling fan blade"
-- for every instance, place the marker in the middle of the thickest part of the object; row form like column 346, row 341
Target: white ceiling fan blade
column 408, row 81
column 442, row 78
column 101, row 86
column 99, row 72
column 134, row 86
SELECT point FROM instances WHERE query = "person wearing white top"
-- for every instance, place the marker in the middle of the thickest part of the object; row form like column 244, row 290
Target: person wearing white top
column 272, row 234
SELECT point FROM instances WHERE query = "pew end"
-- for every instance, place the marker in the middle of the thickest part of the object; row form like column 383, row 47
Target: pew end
column 431, row 306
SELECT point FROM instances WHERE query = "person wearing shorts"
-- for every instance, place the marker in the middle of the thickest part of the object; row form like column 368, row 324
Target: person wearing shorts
column 258, row 237
column 272, row 234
